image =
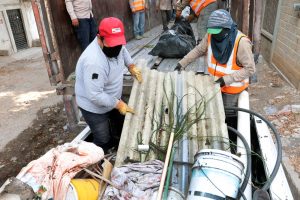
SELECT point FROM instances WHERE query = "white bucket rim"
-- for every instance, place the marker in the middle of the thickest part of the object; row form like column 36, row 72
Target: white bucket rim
column 227, row 160
column 230, row 163
column 236, row 174
column 220, row 152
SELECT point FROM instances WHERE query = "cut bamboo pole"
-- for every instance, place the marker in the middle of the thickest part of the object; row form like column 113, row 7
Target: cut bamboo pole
column 257, row 26
column 193, row 144
column 201, row 129
column 156, row 113
column 150, row 101
column 102, row 178
column 164, row 173
column 246, row 6
column 170, row 168
column 107, row 168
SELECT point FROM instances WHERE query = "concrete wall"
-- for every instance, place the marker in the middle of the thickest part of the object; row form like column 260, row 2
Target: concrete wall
column 30, row 24
column 7, row 43
column 286, row 54
column 8, row 3
column 266, row 46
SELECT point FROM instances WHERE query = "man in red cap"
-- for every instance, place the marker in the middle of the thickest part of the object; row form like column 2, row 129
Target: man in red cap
column 99, row 81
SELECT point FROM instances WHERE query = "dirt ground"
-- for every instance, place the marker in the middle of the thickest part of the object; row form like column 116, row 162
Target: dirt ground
column 24, row 89
column 47, row 131
column 269, row 97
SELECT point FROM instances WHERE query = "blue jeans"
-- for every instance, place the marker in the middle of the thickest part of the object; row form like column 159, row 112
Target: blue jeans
column 138, row 23
column 86, row 32
column 106, row 128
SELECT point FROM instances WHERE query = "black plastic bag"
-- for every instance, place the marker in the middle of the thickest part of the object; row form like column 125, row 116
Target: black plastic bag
column 176, row 42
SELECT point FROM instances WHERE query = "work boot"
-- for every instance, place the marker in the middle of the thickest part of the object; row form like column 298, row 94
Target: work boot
column 106, row 147
column 138, row 37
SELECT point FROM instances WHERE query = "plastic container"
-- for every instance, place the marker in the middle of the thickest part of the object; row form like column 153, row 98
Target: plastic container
column 216, row 174
column 174, row 194
column 83, row 189
column 186, row 12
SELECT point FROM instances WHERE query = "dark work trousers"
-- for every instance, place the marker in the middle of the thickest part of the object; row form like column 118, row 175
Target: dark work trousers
column 231, row 100
column 86, row 32
column 166, row 16
column 106, row 128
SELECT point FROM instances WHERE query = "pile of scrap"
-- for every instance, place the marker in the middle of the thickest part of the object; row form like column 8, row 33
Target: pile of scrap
column 50, row 176
column 79, row 171
column 186, row 104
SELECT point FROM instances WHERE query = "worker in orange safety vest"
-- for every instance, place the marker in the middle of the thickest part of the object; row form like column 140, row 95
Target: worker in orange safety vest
column 200, row 9
column 138, row 8
column 229, row 56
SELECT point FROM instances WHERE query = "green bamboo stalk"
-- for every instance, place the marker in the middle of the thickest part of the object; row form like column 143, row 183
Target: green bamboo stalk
column 170, row 167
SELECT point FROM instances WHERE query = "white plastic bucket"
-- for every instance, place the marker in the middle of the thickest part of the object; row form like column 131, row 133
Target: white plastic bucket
column 216, row 174
column 173, row 194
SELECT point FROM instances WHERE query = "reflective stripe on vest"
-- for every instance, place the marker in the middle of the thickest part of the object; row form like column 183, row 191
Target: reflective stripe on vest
column 137, row 5
column 219, row 70
column 198, row 5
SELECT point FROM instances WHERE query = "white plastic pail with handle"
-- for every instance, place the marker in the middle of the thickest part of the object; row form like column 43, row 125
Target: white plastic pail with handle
column 216, row 174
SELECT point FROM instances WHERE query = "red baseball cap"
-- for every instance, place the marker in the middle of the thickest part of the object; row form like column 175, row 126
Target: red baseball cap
column 112, row 30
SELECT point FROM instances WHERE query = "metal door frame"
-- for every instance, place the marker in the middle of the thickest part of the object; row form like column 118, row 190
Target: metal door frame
column 8, row 27
column 10, row 33
column 24, row 27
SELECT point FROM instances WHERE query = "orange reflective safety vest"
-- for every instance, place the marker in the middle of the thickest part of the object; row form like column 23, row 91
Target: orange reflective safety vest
column 198, row 5
column 220, row 70
column 137, row 5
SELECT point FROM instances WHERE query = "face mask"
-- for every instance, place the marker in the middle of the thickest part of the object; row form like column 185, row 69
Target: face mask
column 221, row 36
column 112, row 52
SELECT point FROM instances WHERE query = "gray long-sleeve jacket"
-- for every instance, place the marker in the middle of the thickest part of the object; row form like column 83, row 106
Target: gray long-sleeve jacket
column 99, row 80
column 79, row 9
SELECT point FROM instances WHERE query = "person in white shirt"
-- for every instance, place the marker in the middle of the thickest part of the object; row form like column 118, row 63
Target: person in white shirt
column 82, row 17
